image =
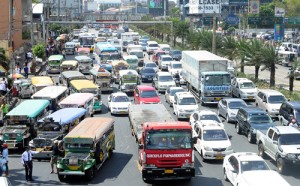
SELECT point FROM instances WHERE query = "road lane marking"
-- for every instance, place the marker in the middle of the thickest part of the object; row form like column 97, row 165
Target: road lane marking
column 139, row 166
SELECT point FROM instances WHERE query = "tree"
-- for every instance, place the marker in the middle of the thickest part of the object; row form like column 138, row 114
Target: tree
column 292, row 74
column 228, row 49
column 39, row 50
column 174, row 12
column 242, row 45
column 181, row 30
column 3, row 59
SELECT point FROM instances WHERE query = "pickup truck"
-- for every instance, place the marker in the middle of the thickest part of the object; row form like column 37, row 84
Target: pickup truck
column 282, row 144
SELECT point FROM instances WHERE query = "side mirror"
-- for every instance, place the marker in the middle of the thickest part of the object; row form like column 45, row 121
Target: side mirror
column 234, row 171
column 195, row 140
column 275, row 142
column 141, row 146
column 229, row 136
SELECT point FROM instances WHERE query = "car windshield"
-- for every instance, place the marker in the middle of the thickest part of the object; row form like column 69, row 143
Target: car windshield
column 120, row 99
column 260, row 118
column 254, row 165
column 187, row 101
column 149, row 94
column 165, row 78
column 166, row 59
column 177, row 66
column 210, row 117
column 214, row 135
column 289, row 139
column 236, row 104
column 247, row 85
column 172, row 92
column 152, row 65
column 148, row 70
column 276, row 99
column 153, row 45
column 143, row 44
column 168, row 139
column 176, row 52
column 218, row 80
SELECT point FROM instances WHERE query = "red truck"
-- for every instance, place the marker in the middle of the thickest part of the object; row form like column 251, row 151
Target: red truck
column 165, row 147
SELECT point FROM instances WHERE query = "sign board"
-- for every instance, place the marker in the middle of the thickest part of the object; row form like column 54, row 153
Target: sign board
column 279, row 12
column 264, row 20
column 208, row 20
column 278, row 32
column 209, row 6
column 253, row 7
column 293, row 20
column 193, row 6
column 232, row 19
column 254, row 20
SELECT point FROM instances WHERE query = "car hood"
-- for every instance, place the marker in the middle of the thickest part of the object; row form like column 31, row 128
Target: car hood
column 167, row 83
column 263, row 126
column 275, row 105
column 217, row 144
column 120, row 104
column 251, row 90
column 291, row 148
column 150, row 100
column 270, row 177
column 188, row 107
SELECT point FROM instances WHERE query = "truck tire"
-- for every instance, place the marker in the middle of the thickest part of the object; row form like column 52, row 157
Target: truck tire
column 225, row 175
column 62, row 178
column 261, row 151
column 281, row 165
column 250, row 137
column 89, row 174
column 238, row 129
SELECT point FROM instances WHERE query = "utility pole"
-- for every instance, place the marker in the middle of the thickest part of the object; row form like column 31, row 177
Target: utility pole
column 214, row 33
column 58, row 12
column 31, row 25
column 11, row 24
column 165, row 9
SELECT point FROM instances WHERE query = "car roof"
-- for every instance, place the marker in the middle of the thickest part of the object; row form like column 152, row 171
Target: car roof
column 204, row 112
column 243, row 80
column 163, row 74
column 119, row 94
column 253, row 110
column 184, row 94
column 270, row 92
column 295, row 104
column 145, row 87
column 162, row 56
column 247, row 156
column 286, row 130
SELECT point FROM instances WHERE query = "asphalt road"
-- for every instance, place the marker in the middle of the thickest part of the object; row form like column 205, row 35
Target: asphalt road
column 123, row 169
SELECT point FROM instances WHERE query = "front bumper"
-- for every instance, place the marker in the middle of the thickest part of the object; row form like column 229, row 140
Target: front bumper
column 215, row 155
column 74, row 173
column 184, row 115
column 53, row 70
column 117, row 111
column 167, row 174
column 247, row 97
column 14, row 144
column 212, row 100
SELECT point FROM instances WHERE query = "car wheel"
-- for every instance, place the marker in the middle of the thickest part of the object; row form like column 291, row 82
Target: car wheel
column 218, row 111
column 238, row 130
column 281, row 165
column 225, row 175
column 202, row 156
column 250, row 137
column 261, row 151
column 227, row 118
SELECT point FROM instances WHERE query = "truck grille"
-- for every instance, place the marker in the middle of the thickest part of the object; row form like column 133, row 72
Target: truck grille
column 168, row 163
column 219, row 149
column 104, row 84
column 218, row 93
column 12, row 136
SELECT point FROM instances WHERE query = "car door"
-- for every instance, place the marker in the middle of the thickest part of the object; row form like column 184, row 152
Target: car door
column 232, row 169
column 193, row 119
column 222, row 107
column 167, row 95
column 136, row 95
column 243, row 120
column 258, row 99
column 175, row 104
column 235, row 88
column 268, row 141
column 155, row 81
column 197, row 134
column 274, row 145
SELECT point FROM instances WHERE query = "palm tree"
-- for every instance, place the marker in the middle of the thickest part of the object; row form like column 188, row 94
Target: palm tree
column 181, row 30
column 229, row 48
column 3, row 59
column 241, row 45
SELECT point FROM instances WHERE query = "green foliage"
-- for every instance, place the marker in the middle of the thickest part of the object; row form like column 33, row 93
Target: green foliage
column 39, row 50
column 266, row 10
column 36, row 1
column 3, row 59
column 25, row 34
column 55, row 27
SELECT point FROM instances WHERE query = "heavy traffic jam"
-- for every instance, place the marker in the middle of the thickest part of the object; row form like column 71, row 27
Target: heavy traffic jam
column 148, row 81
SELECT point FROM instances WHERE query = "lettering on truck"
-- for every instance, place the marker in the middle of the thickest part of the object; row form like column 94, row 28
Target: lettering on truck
column 222, row 88
column 168, row 155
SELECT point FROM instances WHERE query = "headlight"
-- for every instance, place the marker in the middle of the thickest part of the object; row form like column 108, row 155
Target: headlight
column 273, row 109
column 207, row 148
column 253, row 131
column 229, row 148
column 291, row 156
column 114, row 108
column 181, row 110
column 143, row 76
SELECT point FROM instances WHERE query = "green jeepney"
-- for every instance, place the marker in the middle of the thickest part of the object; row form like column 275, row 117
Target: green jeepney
column 132, row 61
column 87, row 147
column 54, row 62
column 129, row 79
column 19, row 128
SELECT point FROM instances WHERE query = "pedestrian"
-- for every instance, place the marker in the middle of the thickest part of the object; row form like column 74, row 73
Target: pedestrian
column 5, row 158
column 29, row 56
column 55, row 153
column 293, row 123
column 26, row 70
column 17, row 69
column 63, row 52
column 26, row 160
column 4, row 108
column 2, row 165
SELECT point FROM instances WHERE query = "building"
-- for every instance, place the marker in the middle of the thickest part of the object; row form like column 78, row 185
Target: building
column 90, row 6
column 66, row 9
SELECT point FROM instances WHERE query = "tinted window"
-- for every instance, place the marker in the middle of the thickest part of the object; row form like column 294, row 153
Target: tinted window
column 153, row 45
column 153, row 65
column 236, row 104
column 172, row 92
column 247, row 85
column 276, row 99
column 176, row 52
column 148, row 70
column 165, row 78
column 210, row 117
column 289, row 139
column 120, row 99
column 187, row 101
column 167, row 59
column 177, row 66
column 214, row 135
column 260, row 118
column 149, row 94
column 253, row 165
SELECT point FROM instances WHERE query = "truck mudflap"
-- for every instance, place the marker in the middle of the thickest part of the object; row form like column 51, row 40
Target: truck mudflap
column 166, row 174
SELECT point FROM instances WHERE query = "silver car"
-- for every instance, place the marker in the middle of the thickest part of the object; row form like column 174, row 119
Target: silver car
column 229, row 107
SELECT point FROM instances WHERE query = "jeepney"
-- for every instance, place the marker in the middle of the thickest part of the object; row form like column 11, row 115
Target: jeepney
column 87, row 147
column 87, row 86
column 83, row 52
column 129, row 79
column 54, row 127
column 54, row 62
column 118, row 65
column 39, row 82
column 70, row 47
column 68, row 76
column 20, row 123
column 132, row 61
column 85, row 64
column 102, row 78
column 23, row 87
column 68, row 65
column 52, row 93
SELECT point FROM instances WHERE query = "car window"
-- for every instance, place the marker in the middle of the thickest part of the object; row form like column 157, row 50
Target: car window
column 236, row 104
column 214, row 135
column 234, row 163
column 120, row 99
column 247, row 85
column 165, row 78
column 187, row 101
column 270, row 134
column 195, row 116
column 172, row 92
column 276, row 99
column 149, row 94
column 254, row 165
column 260, row 118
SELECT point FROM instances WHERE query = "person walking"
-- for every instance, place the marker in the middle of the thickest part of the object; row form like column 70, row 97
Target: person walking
column 55, row 153
column 17, row 69
column 3, row 87
column 26, row 160
column 26, row 70
column 5, row 157
column 63, row 52
column 4, row 108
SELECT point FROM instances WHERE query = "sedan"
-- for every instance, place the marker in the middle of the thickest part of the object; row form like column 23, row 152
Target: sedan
column 229, row 107
column 170, row 92
column 245, row 168
column 147, row 74
column 151, row 65
column 118, row 103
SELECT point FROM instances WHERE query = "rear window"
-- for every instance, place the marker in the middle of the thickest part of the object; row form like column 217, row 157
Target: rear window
column 153, row 45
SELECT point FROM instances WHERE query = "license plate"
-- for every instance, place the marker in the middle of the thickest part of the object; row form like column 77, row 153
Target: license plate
column 188, row 116
column 169, row 171
column 250, row 97
column 149, row 78
column 219, row 157
column 218, row 99
column 122, row 112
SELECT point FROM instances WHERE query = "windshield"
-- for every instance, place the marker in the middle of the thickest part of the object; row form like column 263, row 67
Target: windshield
column 253, row 165
column 177, row 66
column 289, row 139
column 86, row 41
column 218, row 80
column 236, row 104
column 172, row 92
column 120, row 99
column 143, row 44
column 176, row 52
column 165, row 78
column 148, row 70
column 151, row 65
column 138, row 54
column 187, row 101
column 167, row 59
column 169, row 139
column 210, row 117
column 214, row 135
column 153, row 45
column 149, row 94
column 248, row 85
column 259, row 119
column 276, row 99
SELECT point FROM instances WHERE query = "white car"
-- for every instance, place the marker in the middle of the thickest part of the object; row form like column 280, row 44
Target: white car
column 170, row 92
column 175, row 67
column 164, row 61
column 184, row 105
column 118, row 103
column 213, row 143
column 229, row 107
column 243, row 88
column 204, row 117
column 249, row 169
column 162, row 81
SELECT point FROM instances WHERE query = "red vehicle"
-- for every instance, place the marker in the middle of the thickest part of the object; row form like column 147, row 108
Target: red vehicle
column 144, row 94
column 166, row 151
column 156, row 55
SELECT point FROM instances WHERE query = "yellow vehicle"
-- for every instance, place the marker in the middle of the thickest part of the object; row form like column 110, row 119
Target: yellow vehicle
column 118, row 65
column 69, row 65
column 87, row 86
column 40, row 82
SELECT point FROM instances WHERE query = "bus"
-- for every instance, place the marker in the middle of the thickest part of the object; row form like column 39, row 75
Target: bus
column 86, row 40
column 67, row 76
column 87, row 147
column 105, row 52
column 52, row 93
column 21, row 121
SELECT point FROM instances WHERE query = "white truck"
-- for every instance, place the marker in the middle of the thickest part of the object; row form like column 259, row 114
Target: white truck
column 206, row 75
column 282, row 144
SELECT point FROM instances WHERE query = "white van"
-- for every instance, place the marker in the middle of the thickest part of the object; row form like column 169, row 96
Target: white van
column 165, row 47
column 184, row 105
column 151, row 46
column 134, row 47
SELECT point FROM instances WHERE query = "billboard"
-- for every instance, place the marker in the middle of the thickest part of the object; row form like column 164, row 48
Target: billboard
column 156, row 4
column 253, row 6
column 156, row 7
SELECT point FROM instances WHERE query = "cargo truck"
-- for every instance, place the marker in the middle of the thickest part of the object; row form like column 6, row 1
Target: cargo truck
column 206, row 75
column 165, row 147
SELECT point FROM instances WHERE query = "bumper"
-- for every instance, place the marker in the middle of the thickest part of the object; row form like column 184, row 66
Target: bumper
column 184, row 115
column 13, row 144
column 167, row 174
column 119, row 111
column 212, row 100
column 147, row 79
column 247, row 97
column 74, row 173
column 213, row 155
column 53, row 70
